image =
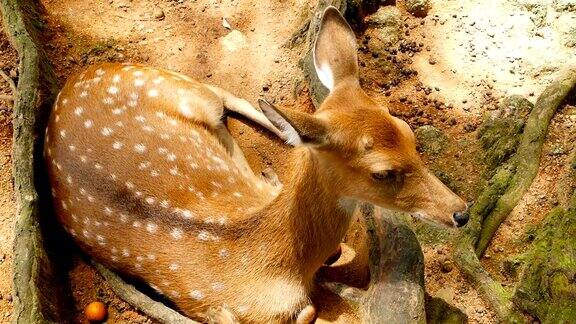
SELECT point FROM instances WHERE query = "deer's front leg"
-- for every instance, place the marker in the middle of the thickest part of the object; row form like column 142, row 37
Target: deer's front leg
column 307, row 315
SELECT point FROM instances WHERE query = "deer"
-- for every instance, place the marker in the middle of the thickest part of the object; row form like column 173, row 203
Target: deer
column 143, row 183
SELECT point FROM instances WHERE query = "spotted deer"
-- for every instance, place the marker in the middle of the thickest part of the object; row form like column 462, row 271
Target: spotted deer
column 143, row 184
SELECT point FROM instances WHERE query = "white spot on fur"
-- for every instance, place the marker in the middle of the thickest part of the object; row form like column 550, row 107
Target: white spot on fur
column 117, row 145
column 173, row 266
column 139, row 82
column 217, row 286
column 196, row 294
column 113, row 90
column 106, row 131
column 152, row 93
column 207, row 236
column 187, row 214
column 151, row 227
column 88, row 123
column 140, row 148
column 78, row 111
column 223, row 253
column 176, row 233
column 144, row 165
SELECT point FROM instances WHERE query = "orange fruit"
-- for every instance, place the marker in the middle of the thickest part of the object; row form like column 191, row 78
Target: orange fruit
column 96, row 312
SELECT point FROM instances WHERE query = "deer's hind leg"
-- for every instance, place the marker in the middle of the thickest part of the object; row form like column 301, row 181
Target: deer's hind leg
column 244, row 108
column 307, row 315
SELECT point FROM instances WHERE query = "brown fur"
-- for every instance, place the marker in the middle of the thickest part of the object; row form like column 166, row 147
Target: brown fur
column 143, row 183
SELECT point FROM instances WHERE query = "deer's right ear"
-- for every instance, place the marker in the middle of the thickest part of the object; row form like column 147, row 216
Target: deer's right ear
column 296, row 127
column 335, row 51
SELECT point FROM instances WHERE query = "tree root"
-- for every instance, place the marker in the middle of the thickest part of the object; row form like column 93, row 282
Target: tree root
column 527, row 157
column 505, row 189
column 142, row 302
column 395, row 293
column 35, row 287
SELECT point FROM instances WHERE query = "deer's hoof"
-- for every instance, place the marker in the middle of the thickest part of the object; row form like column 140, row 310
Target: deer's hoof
column 307, row 315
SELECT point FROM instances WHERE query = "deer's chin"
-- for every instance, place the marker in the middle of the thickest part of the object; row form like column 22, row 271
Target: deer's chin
column 425, row 217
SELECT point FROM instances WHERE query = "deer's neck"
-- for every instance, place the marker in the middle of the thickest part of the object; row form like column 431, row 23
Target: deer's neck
column 307, row 211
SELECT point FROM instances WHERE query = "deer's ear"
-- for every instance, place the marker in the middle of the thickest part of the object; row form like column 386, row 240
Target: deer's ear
column 296, row 127
column 335, row 51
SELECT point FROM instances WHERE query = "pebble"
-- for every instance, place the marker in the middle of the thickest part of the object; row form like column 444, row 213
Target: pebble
column 447, row 266
column 8, row 297
column 159, row 14
column 432, row 61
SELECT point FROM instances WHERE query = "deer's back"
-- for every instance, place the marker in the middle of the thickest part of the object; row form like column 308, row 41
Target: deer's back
column 142, row 182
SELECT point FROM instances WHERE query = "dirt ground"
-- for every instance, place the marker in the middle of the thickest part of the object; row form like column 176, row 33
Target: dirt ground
column 458, row 63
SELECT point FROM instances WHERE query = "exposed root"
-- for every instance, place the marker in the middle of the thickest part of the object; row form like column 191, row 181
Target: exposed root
column 145, row 304
column 527, row 157
column 504, row 191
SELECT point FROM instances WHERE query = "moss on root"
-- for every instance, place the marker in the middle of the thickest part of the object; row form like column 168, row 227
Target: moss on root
column 547, row 289
column 506, row 187
column 439, row 311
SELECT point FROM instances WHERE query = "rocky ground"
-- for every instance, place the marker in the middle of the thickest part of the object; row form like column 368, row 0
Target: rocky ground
column 442, row 65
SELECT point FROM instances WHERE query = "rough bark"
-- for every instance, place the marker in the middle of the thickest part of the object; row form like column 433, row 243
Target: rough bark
column 145, row 304
column 396, row 290
column 36, row 297
column 395, row 293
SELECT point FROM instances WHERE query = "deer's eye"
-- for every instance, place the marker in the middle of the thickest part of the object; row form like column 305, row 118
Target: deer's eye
column 386, row 175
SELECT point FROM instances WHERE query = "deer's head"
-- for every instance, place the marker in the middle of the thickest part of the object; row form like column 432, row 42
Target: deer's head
column 373, row 152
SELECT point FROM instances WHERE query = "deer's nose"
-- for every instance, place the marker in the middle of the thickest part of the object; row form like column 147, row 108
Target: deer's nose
column 461, row 218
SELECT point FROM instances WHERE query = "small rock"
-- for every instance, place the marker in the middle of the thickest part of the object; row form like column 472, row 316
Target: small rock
column 226, row 24
column 447, row 266
column 9, row 298
column 418, row 8
column 432, row 61
column 430, row 139
column 557, row 151
column 468, row 128
column 158, row 14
